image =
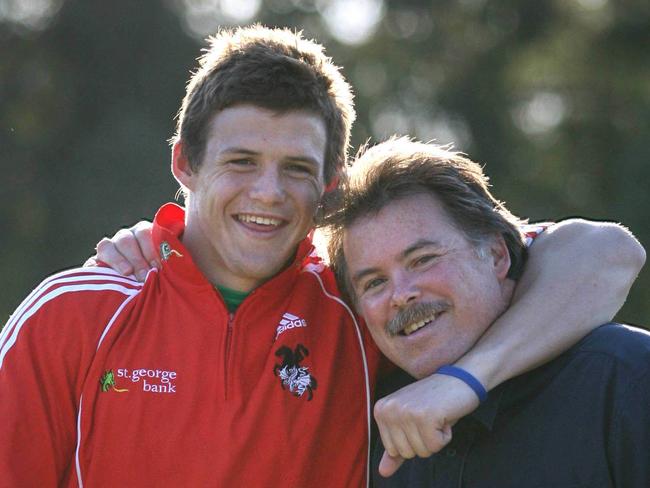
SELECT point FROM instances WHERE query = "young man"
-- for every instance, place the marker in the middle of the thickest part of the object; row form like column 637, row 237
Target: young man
column 431, row 259
column 230, row 365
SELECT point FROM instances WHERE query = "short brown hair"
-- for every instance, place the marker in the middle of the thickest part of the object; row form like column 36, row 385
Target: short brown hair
column 276, row 69
column 399, row 168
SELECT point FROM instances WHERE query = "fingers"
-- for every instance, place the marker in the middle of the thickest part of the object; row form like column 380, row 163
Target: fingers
column 142, row 233
column 393, row 438
column 108, row 254
column 128, row 246
column 417, row 419
column 407, row 431
column 434, row 440
column 405, row 440
column 389, row 465
column 130, row 251
column 91, row 261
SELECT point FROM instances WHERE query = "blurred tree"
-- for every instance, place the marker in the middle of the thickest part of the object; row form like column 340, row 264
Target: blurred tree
column 86, row 104
column 552, row 95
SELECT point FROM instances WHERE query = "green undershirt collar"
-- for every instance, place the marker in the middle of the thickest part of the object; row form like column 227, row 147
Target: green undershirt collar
column 232, row 298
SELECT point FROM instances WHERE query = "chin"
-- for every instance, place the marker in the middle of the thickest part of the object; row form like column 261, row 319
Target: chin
column 427, row 363
column 419, row 371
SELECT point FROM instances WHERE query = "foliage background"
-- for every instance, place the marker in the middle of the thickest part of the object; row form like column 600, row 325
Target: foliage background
column 552, row 95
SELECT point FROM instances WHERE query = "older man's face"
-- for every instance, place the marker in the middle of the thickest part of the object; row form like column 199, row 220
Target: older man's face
column 424, row 291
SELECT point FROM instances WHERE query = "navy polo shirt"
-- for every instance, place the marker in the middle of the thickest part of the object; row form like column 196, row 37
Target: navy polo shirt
column 582, row 420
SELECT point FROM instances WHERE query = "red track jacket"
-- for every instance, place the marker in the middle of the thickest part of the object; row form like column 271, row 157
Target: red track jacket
column 108, row 382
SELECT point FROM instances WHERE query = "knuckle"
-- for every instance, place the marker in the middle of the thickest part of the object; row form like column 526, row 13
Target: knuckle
column 127, row 245
column 379, row 409
column 122, row 233
column 140, row 225
column 419, row 415
column 142, row 230
column 435, row 445
column 124, row 241
column 432, row 444
column 103, row 244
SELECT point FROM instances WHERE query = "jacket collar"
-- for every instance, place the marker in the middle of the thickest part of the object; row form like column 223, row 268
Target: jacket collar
column 168, row 228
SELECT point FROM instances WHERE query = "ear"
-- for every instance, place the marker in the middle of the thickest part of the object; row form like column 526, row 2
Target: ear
column 181, row 168
column 500, row 257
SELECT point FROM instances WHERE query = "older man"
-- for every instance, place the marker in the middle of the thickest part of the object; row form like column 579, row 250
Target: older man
column 431, row 259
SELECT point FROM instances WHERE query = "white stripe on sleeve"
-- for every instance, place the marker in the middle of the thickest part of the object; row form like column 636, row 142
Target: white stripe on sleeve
column 29, row 310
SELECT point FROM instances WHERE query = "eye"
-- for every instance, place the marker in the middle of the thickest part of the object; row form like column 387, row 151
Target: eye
column 300, row 169
column 423, row 260
column 373, row 283
column 241, row 162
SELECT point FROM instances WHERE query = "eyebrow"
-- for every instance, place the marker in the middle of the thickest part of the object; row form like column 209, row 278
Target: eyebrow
column 416, row 246
column 239, row 150
column 362, row 274
column 249, row 152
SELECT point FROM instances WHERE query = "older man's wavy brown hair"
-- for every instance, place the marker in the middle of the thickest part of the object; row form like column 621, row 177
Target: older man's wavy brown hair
column 399, row 168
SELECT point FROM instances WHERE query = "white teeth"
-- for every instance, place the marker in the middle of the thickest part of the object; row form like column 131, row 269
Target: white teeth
column 254, row 219
column 409, row 329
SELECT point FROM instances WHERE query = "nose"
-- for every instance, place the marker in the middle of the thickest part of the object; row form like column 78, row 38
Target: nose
column 268, row 188
column 404, row 292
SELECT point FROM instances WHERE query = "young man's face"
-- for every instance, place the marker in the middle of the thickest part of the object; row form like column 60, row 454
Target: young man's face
column 255, row 194
column 424, row 291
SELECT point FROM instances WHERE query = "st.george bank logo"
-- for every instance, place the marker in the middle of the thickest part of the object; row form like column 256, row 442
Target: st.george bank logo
column 166, row 251
column 107, row 382
column 148, row 380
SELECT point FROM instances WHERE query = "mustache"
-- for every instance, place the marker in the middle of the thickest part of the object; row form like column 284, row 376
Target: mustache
column 415, row 313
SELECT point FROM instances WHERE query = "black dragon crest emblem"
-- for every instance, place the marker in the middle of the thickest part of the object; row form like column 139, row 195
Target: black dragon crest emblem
column 292, row 375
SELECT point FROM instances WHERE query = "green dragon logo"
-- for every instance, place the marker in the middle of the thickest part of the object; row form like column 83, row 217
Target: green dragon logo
column 166, row 251
column 107, row 382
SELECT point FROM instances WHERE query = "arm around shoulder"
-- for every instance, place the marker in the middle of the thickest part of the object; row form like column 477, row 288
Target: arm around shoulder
column 602, row 255
column 577, row 277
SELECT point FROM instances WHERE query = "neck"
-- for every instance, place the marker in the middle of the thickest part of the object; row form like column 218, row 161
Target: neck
column 507, row 291
column 209, row 262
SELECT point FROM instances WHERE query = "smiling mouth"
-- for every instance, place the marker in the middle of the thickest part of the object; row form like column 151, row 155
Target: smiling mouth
column 269, row 222
column 415, row 326
column 415, row 317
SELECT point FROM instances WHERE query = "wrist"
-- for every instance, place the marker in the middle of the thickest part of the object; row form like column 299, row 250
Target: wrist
column 466, row 377
column 485, row 367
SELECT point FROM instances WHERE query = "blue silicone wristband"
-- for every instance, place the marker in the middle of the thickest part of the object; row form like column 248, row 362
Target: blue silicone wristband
column 465, row 377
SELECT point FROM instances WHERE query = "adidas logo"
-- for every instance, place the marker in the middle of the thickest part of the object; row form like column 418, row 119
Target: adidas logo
column 289, row 321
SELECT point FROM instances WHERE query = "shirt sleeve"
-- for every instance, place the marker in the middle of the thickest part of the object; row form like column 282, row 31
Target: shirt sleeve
column 38, row 408
column 46, row 348
column 532, row 231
